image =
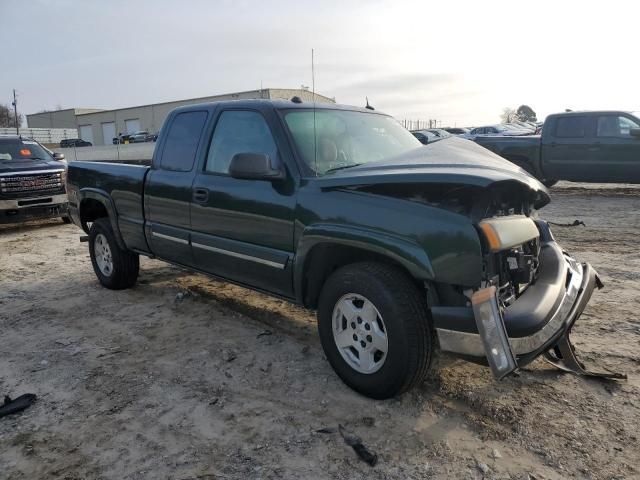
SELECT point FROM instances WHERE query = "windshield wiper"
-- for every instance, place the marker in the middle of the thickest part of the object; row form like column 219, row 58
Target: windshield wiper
column 334, row 169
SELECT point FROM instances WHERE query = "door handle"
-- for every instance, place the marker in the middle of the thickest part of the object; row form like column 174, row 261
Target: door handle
column 200, row 195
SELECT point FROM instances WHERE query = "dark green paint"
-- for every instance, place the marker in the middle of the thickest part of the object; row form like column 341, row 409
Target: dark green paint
column 282, row 221
column 587, row 158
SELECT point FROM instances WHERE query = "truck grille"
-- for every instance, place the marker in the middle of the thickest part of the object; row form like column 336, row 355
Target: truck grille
column 19, row 185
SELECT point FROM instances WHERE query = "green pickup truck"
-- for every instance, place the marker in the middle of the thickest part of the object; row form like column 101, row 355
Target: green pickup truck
column 404, row 250
column 599, row 147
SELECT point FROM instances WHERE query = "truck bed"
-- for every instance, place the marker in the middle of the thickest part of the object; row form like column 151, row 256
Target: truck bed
column 122, row 185
column 524, row 151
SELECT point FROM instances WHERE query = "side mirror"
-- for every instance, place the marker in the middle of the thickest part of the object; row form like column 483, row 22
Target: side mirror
column 254, row 166
column 635, row 132
column 58, row 156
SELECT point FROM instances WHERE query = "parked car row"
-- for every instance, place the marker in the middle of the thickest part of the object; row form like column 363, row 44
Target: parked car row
column 136, row 137
column 430, row 135
column 74, row 142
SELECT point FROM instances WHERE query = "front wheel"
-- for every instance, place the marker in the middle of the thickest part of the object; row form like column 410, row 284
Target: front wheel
column 115, row 267
column 374, row 329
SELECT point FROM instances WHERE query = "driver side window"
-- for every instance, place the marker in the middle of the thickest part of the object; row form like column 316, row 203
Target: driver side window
column 615, row 126
column 239, row 131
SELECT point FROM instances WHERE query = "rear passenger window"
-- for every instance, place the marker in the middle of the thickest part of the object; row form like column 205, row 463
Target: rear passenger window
column 570, row 127
column 182, row 141
column 239, row 131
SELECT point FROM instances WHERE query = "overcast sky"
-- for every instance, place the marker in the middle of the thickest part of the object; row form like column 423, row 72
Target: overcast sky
column 459, row 62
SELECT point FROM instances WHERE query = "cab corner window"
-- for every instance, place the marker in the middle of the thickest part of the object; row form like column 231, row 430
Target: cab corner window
column 570, row 127
column 239, row 131
column 182, row 141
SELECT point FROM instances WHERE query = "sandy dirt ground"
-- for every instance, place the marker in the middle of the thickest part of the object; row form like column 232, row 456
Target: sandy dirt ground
column 183, row 377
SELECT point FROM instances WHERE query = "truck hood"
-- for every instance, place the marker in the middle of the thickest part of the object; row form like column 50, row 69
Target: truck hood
column 451, row 160
column 28, row 164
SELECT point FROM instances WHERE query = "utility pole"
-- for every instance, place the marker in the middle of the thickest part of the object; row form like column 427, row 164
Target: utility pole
column 15, row 111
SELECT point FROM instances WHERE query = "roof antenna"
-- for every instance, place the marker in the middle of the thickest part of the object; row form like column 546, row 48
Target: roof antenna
column 368, row 107
column 313, row 93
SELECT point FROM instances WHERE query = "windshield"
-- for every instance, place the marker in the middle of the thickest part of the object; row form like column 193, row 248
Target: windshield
column 22, row 150
column 341, row 139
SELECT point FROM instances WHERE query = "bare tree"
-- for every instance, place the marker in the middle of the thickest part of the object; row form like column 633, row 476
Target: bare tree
column 508, row 115
column 7, row 118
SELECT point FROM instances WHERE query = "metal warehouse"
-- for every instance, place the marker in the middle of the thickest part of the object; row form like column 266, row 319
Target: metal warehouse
column 101, row 126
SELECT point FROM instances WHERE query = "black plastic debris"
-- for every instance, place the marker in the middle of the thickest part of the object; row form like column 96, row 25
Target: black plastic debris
column 326, row 430
column 575, row 223
column 355, row 442
column 17, row 405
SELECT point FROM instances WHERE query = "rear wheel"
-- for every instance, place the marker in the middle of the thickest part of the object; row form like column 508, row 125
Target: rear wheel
column 374, row 329
column 66, row 219
column 115, row 267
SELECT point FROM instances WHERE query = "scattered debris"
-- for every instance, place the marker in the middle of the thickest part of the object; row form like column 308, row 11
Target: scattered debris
column 16, row 405
column 305, row 350
column 229, row 355
column 266, row 368
column 495, row 454
column 264, row 334
column 574, row 224
column 355, row 442
column 483, row 467
column 368, row 421
column 326, row 430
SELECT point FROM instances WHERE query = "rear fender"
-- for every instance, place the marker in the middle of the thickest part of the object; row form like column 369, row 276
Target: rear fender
column 105, row 199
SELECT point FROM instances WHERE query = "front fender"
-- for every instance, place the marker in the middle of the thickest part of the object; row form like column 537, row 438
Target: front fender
column 407, row 253
column 105, row 199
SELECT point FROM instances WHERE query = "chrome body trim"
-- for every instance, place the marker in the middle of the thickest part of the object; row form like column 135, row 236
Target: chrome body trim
column 242, row 256
column 466, row 343
column 170, row 238
column 13, row 203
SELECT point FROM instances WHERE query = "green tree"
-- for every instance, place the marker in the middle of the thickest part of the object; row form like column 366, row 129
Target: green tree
column 526, row 114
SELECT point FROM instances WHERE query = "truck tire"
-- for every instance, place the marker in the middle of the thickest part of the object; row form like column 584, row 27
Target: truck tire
column 116, row 268
column 374, row 329
column 549, row 183
column 66, row 220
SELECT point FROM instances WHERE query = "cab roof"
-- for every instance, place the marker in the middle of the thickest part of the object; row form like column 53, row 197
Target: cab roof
column 277, row 104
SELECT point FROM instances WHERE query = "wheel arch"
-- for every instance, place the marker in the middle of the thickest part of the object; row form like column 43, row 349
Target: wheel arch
column 95, row 203
column 323, row 249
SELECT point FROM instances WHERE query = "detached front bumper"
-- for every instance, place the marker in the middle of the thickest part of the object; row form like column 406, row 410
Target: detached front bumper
column 537, row 323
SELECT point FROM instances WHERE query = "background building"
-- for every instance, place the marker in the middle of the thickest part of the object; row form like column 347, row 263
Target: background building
column 101, row 126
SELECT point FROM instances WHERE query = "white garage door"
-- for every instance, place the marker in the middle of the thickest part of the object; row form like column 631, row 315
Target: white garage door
column 86, row 133
column 132, row 126
column 108, row 132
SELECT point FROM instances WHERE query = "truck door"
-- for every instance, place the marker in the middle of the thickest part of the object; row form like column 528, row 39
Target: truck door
column 168, row 189
column 242, row 230
column 565, row 149
column 615, row 152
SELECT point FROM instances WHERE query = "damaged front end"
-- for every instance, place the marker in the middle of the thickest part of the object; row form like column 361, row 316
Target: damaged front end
column 532, row 294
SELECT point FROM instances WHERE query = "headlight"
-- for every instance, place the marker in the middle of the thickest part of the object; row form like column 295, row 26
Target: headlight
column 502, row 233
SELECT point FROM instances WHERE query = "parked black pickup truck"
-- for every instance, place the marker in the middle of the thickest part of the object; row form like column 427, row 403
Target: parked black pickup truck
column 403, row 249
column 32, row 181
column 600, row 147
